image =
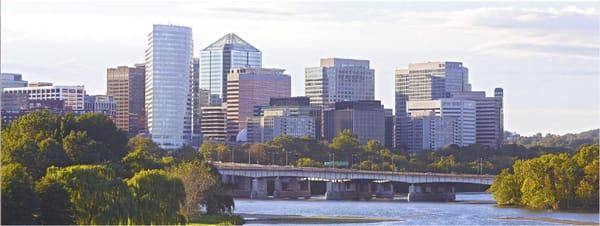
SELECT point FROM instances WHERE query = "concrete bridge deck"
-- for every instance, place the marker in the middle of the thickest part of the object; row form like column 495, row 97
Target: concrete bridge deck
column 335, row 174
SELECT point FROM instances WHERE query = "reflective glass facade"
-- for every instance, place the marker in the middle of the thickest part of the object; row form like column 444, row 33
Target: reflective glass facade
column 168, row 95
column 216, row 61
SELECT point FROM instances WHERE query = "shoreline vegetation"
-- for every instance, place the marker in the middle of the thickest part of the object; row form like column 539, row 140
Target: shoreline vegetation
column 552, row 181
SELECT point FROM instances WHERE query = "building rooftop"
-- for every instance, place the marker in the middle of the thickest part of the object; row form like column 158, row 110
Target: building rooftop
column 233, row 41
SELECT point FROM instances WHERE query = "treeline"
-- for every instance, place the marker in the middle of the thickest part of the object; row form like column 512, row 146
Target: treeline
column 345, row 147
column 551, row 181
column 569, row 141
column 83, row 170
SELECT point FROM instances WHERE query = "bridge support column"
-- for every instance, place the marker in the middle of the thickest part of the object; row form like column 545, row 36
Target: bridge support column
column 289, row 188
column 348, row 190
column 259, row 188
column 431, row 193
column 240, row 186
column 385, row 190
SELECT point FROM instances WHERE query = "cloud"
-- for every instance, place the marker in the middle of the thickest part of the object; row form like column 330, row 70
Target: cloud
column 517, row 48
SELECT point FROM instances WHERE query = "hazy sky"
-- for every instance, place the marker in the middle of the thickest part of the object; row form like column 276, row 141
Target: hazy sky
column 544, row 55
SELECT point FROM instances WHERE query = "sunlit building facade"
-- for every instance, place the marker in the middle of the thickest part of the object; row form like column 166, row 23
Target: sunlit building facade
column 168, row 95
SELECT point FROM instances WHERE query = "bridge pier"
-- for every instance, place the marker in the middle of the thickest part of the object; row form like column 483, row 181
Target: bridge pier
column 259, row 188
column 431, row 193
column 348, row 190
column 290, row 188
column 385, row 190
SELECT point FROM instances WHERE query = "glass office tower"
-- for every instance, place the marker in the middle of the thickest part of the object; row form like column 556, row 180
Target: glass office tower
column 168, row 95
column 216, row 61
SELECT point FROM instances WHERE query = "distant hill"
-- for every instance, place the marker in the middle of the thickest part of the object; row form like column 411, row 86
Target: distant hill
column 570, row 140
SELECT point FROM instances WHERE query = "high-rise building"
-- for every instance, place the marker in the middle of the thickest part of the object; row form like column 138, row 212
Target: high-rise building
column 250, row 87
column 426, row 81
column 11, row 80
column 73, row 96
column 199, row 99
column 214, row 123
column 102, row 104
column 168, row 95
column 338, row 80
column 216, row 61
column 437, row 123
column 293, row 116
column 364, row 118
column 389, row 128
column 489, row 117
column 126, row 85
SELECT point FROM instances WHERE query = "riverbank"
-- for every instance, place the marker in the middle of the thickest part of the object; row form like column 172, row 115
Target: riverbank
column 298, row 219
column 548, row 220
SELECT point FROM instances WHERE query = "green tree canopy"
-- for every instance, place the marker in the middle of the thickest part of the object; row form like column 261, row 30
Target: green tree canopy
column 160, row 196
column 19, row 202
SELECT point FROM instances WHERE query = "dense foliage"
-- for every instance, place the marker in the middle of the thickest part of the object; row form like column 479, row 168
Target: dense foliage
column 569, row 141
column 345, row 148
column 82, row 170
column 551, row 181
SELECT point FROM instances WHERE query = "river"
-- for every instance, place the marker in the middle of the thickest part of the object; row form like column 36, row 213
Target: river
column 470, row 209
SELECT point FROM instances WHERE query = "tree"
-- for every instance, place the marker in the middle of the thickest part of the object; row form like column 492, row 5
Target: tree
column 19, row 202
column 159, row 197
column 55, row 204
column 53, row 153
column 143, row 154
column 82, row 150
column 214, row 151
column 307, row 162
column 258, row 153
column 505, row 189
column 197, row 179
column 345, row 143
column 96, row 196
column 103, row 130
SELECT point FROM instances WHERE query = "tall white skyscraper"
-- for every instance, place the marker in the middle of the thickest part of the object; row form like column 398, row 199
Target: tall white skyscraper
column 168, row 95
column 217, row 59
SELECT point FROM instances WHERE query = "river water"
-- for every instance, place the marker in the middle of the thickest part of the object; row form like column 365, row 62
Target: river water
column 413, row 213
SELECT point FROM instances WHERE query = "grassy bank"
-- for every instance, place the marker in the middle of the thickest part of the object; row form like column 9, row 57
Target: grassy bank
column 217, row 220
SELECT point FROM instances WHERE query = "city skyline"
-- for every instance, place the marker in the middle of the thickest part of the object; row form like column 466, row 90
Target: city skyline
column 555, row 99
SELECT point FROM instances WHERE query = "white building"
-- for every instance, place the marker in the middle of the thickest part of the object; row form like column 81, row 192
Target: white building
column 337, row 80
column 426, row 81
column 437, row 123
column 490, row 117
column 73, row 96
column 168, row 95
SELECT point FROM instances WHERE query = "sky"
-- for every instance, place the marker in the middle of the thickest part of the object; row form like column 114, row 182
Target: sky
column 544, row 55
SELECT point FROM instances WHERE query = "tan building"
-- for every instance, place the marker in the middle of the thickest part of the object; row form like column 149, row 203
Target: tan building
column 214, row 123
column 126, row 85
column 248, row 88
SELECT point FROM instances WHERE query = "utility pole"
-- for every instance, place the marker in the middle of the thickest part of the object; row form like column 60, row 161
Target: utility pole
column 286, row 157
column 249, row 156
column 232, row 155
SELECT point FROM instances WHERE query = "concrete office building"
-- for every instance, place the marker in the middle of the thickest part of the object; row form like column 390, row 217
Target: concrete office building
column 216, row 61
column 199, row 99
column 437, row 123
column 389, row 128
column 489, row 117
column 365, row 118
column 102, row 104
column 214, row 123
column 11, row 80
column 126, row 85
column 73, row 96
column 292, row 116
column 168, row 95
column 426, row 81
column 250, row 87
column 338, row 80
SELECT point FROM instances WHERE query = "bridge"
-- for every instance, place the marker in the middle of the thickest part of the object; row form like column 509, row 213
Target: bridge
column 251, row 181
